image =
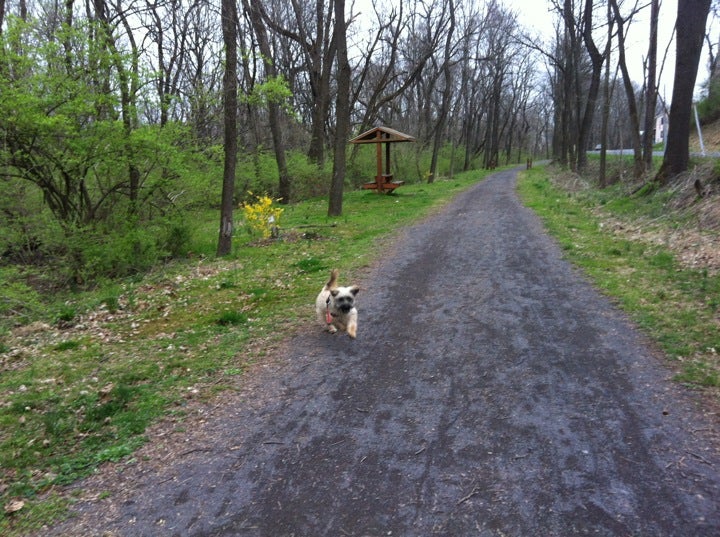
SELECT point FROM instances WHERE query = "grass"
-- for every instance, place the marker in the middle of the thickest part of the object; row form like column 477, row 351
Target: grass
column 676, row 306
column 81, row 386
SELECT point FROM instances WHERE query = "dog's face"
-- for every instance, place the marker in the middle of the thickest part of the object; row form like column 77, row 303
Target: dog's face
column 343, row 298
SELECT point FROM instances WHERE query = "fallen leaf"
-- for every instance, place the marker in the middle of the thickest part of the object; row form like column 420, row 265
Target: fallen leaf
column 14, row 506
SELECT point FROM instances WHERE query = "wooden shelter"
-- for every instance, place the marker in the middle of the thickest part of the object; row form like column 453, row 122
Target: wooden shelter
column 382, row 135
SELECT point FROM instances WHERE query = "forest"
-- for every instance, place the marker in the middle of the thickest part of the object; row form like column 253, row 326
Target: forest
column 124, row 120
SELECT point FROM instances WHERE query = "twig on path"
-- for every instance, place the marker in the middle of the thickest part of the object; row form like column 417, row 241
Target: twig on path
column 475, row 490
column 273, row 443
column 700, row 458
column 185, row 453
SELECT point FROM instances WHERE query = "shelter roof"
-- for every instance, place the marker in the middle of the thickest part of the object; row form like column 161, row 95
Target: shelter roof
column 382, row 135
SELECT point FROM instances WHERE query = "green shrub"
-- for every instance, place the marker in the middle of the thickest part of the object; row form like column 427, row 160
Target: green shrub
column 311, row 265
column 256, row 173
column 176, row 237
column 67, row 345
column 95, row 255
column 17, row 298
column 709, row 107
column 66, row 314
column 308, row 179
column 231, row 318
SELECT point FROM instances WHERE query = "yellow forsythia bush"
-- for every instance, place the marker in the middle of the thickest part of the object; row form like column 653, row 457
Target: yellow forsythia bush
column 261, row 216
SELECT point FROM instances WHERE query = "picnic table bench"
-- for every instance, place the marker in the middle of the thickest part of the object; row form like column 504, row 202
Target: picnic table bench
column 383, row 183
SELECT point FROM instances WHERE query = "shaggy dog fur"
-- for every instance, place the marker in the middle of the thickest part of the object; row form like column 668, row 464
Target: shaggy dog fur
column 335, row 306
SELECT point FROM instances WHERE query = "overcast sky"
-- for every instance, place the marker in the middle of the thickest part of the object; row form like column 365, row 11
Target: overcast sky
column 538, row 15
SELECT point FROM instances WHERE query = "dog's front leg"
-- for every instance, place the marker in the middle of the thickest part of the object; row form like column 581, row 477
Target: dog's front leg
column 352, row 324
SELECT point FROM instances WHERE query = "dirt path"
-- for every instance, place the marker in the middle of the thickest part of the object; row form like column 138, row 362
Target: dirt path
column 491, row 391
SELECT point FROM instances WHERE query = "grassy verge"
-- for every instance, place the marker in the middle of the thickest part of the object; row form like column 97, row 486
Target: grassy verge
column 677, row 307
column 80, row 386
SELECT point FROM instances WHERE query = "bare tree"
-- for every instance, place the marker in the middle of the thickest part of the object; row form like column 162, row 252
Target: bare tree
column 274, row 112
column 386, row 72
column 342, row 109
column 602, row 180
column 439, row 135
column 499, row 38
column 312, row 30
column 576, row 63
column 168, row 25
column 567, row 92
column 690, row 31
column 712, row 45
column 651, row 86
column 201, row 80
column 638, row 164
column 596, row 59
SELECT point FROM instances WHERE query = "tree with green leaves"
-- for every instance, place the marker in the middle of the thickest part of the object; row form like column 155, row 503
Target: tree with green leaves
column 60, row 127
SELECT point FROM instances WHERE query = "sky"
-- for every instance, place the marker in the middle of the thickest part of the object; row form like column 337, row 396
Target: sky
column 537, row 15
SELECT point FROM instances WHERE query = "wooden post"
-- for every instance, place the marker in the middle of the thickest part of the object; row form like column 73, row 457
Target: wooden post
column 378, row 148
column 379, row 156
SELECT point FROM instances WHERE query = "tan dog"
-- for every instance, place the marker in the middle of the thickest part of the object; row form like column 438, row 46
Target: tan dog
column 335, row 306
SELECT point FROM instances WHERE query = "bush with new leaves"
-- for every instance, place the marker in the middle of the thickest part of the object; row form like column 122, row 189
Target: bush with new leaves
column 262, row 216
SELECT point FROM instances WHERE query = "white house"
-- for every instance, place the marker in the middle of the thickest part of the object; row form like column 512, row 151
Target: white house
column 661, row 125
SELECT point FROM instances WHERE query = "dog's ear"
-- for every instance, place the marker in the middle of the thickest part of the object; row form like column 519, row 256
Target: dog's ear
column 334, row 292
column 354, row 290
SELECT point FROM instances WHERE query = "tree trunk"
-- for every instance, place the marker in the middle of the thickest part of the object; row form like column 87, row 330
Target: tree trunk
column 690, row 30
column 443, row 112
column 596, row 58
column 494, row 129
column 650, row 105
column 606, row 103
column 638, row 166
column 342, row 110
column 230, row 86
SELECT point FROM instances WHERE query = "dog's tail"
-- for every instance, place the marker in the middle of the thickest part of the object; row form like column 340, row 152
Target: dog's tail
column 332, row 282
